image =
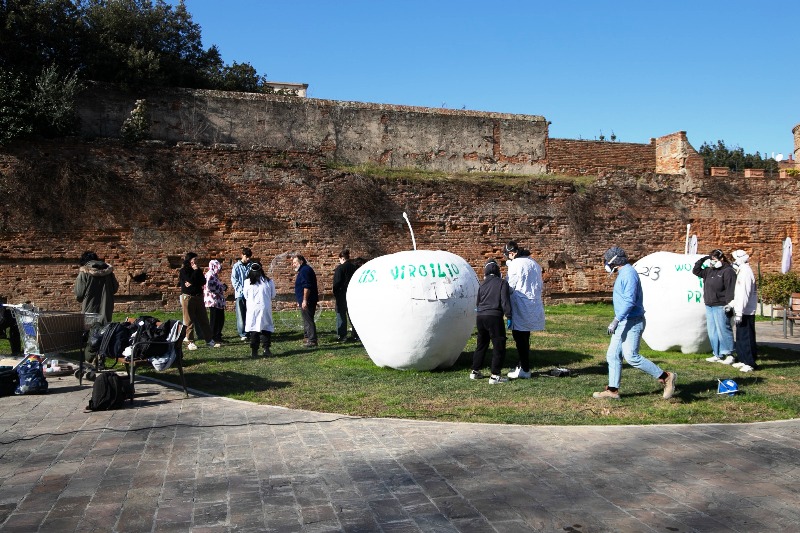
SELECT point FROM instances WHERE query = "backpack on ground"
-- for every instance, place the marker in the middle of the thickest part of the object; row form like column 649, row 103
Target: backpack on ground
column 9, row 379
column 108, row 392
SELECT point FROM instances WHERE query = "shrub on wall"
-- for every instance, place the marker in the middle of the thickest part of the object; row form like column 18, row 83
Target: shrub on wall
column 775, row 289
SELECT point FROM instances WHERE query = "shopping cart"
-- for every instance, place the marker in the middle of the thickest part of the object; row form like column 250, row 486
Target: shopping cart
column 47, row 333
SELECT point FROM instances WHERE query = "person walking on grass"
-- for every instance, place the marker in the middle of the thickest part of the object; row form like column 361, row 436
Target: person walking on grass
column 494, row 301
column 627, row 327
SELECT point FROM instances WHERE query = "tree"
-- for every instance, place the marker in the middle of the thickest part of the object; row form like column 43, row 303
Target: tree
column 733, row 158
column 130, row 43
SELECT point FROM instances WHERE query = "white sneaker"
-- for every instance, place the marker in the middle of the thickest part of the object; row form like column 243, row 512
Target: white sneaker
column 191, row 346
column 737, row 365
column 713, row 359
column 494, row 380
column 243, row 337
column 518, row 373
column 746, row 368
column 217, row 344
column 475, row 374
column 728, row 360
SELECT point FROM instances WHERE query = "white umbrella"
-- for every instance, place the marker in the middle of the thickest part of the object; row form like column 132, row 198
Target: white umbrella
column 786, row 262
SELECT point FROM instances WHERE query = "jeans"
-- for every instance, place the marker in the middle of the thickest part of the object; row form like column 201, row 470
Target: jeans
column 625, row 342
column 720, row 332
column 241, row 312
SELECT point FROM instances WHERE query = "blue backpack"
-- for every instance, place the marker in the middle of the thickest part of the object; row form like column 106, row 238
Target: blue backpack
column 31, row 376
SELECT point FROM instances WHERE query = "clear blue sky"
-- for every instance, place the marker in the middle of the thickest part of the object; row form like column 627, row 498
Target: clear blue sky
column 717, row 69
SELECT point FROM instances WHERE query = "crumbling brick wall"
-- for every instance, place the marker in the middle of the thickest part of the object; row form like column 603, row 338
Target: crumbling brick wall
column 580, row 157
column 143, row 207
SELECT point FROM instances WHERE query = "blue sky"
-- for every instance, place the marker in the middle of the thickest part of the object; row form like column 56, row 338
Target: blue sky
column 724, row 70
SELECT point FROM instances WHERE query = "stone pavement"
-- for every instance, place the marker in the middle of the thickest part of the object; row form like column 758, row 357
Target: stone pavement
column 208, row 464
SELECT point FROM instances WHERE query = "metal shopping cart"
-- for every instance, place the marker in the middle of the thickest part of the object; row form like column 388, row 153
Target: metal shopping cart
column 47, row 333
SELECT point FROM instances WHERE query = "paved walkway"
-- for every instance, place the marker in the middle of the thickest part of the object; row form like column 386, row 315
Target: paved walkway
column 209, row 464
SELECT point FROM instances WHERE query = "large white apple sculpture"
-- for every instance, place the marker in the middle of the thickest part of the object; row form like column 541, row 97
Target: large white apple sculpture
column 673, row 303
column 414, row 309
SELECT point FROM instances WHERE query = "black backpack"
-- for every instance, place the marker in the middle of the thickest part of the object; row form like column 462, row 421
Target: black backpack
column 108, row 392
column 151, row 340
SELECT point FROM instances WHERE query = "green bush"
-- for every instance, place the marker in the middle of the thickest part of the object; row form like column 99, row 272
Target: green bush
column 775, row 289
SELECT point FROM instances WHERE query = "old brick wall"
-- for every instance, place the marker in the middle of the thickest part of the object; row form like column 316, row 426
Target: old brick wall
column 142, row 207
column 674, row 155
column 578, row 157
column 349, row 132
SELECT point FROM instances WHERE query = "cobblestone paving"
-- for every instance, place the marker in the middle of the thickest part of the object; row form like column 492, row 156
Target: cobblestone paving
column 207, row 464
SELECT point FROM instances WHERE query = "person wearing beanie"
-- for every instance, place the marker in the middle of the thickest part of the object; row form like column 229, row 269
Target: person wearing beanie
column 494, row 301
column 627, row 327
column 526, row 286
column 745, row 300
column 719, row 281
column 191, row 282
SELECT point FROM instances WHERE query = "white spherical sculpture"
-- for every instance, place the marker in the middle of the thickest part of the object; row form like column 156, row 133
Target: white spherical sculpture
column 673, row 303
column 414, row 309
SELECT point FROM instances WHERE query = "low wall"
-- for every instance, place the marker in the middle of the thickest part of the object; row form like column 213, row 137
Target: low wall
column 580, row 158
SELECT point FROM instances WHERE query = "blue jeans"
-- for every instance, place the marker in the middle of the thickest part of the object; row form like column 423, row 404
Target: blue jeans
column 241, row 313
column 625, row 342
column 720, row 332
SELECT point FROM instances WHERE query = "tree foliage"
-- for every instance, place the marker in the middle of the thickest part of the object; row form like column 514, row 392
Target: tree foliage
column 775, row 289
column 719, row 155
column 48, row 46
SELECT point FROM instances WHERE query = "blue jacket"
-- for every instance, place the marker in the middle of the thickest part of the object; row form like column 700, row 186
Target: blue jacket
column 306, row 279
column 239, row 273
column 627, row 294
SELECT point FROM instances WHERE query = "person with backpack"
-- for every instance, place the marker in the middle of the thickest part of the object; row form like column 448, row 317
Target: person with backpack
column 214, row 298
column 259, row 291
column 191, row 282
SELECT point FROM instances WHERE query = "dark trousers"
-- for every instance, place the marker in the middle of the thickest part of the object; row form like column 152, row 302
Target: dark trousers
column 341, row 318
column 9, row 326
column 490, row 328
column 523, row 341
column 746, row 349
column 309, row 327
column 263, row 337
column 216, row 319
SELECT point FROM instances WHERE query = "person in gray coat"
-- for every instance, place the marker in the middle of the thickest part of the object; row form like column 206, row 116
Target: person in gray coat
column 96, row 286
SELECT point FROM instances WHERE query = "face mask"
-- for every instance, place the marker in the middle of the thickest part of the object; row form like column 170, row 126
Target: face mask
column 608, row 267
column 715, row 263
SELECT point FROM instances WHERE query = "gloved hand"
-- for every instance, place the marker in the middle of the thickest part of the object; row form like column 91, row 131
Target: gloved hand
column 738, row 320
column 508, row 324
column 613, row 326
column 728, row 311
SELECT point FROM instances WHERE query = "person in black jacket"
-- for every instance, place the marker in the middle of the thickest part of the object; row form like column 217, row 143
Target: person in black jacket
column 191, row 282
column 493, row 302
column 341, row 279
column 719, row 282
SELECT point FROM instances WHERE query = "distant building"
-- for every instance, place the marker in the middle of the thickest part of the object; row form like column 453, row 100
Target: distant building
column 292, row 89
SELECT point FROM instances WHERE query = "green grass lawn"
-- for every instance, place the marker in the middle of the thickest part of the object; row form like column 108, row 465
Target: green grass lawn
column 341, row 378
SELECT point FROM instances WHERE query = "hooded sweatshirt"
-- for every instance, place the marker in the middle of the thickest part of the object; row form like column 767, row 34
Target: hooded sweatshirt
column 214, row 289
column 95, row 288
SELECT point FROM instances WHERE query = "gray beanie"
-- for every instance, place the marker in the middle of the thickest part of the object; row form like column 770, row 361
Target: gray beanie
column 491, row 268
column 615, row 256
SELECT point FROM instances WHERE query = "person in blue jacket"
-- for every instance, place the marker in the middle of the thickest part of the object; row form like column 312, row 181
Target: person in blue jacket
column 307, row 296
column 627, row 327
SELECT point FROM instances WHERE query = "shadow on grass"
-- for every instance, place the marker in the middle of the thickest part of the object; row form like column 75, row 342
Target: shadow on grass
column 224, row 383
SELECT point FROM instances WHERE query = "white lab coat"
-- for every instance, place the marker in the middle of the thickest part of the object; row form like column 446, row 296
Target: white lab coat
column 259, row 305
column 525, row 281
